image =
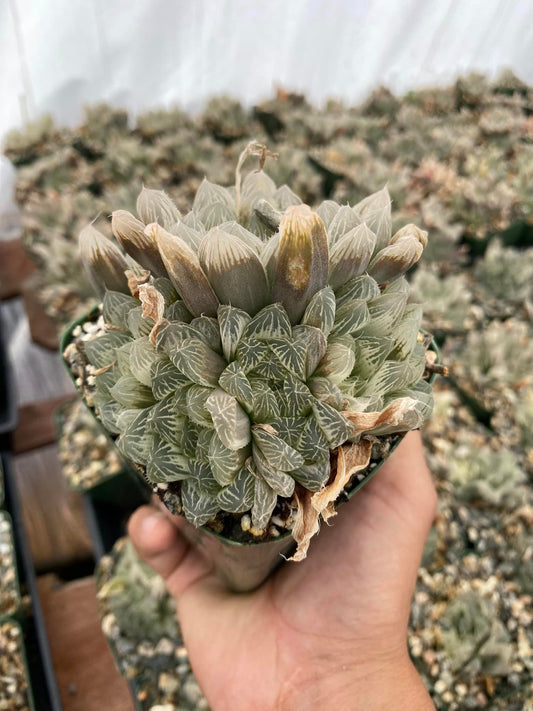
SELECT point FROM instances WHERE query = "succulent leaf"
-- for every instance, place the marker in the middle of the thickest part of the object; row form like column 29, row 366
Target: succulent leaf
column 302, row 260
column 234, row 271
column 130, row 234
column 103, row 262
column 351, row 254
column 231, row 422
column 156, row 206
column 185, row 272
column 278, row 453
column 239, row 495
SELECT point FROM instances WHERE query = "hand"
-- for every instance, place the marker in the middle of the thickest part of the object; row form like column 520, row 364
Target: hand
column 327, row 633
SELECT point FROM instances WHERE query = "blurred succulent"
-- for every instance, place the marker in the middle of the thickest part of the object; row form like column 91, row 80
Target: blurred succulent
column 160, row 122
column 265, row 337
column 226, row 119
column 86, row 455
column 499, row 358
column 524, row 418
column 36, row 139
column 138, row 599
column 474, row 638
column 493, row 477
column 447, row 300
column 471, row 89
column 505, row 274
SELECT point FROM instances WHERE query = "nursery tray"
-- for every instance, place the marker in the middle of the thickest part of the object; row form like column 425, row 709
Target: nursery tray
column 8, row 399
column 41, row 671
column 107, row 523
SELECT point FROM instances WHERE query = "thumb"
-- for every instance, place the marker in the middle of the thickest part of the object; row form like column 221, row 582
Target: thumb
column 159, row 543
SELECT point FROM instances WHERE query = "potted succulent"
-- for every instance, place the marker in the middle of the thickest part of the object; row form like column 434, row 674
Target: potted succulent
column 256, row 360
column 140, row 623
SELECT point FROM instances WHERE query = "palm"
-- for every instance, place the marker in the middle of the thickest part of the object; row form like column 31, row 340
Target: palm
column 352, row 593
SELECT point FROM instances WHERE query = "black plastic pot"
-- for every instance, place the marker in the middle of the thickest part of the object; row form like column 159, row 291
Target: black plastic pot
column 242, row 566
column 39, row 659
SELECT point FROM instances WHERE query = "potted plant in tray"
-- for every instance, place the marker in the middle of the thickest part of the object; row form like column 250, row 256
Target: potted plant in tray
column 255, row 359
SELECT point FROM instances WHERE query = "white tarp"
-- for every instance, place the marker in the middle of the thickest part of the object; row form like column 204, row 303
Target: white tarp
column 56, row 55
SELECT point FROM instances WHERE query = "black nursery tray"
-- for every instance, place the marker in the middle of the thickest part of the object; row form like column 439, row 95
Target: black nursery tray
column 8, row 400
column 39, row 659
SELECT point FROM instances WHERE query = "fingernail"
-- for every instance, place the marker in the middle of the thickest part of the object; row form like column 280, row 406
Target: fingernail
column 152, row 522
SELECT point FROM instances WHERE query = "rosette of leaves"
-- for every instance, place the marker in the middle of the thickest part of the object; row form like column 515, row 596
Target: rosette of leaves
column 258, row 337
column 474, row 638
column 447, row 300
column 496, row 362
column 505, row 274
column 482, row 474
column 138, row 598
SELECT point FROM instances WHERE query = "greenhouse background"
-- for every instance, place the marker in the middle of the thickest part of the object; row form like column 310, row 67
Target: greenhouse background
column 432, row 101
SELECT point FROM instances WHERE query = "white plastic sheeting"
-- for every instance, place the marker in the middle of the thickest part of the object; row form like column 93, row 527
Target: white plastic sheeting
column 56, row 55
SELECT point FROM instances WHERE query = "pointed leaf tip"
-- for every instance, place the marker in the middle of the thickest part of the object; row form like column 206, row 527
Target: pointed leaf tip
column 301, row 267
column 103, row 262
column 185, row 272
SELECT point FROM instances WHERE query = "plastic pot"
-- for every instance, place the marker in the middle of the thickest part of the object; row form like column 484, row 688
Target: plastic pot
column 243, row 566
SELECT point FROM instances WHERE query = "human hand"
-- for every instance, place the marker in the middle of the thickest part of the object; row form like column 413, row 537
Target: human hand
column 328, row 633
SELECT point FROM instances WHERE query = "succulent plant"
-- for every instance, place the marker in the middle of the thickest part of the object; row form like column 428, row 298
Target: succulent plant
column 447, row 300
column 139, row 599
column 482, row 474
column 266, row 335
column 474, row 638
column 140, row 622
column 505, row 274
column 497, row 359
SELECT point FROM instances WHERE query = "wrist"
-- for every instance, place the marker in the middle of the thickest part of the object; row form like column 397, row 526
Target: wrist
column 368, row 685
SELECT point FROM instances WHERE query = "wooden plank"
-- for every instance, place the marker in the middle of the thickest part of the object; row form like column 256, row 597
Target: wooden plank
column 86, row 674
column 53, row 514
column 36, row 425
column 39, row 373
column 15, row 267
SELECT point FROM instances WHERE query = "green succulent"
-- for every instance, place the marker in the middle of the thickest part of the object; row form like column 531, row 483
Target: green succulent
column 479, row 473
column 138, row 599
column 505, row 273
column 499, row 358
column 263, row 328
column 474, row 638
column 447, row 300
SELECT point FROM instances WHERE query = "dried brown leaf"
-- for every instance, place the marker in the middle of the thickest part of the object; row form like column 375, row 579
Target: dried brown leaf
column 153, row 305
column 136, row 279
column 393, row 415
column 350, row 460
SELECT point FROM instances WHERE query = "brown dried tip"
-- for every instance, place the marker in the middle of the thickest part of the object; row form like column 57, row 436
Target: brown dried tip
column 130, row 234
column 153, row 306
column 185, row 272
